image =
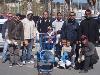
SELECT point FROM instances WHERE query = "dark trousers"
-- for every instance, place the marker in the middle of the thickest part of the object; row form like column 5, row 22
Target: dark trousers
column 87, row 62
column 14, row 53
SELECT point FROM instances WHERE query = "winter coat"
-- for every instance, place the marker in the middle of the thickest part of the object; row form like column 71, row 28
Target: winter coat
column 7, row 29
column 89, row 27
column 43, row 25
column 18, row 32
column 70, row 30
column 29, row 28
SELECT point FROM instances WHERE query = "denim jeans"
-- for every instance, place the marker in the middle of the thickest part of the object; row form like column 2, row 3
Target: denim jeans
column 74, row 55
column 27, row 51
column 4, row 54
column 65, row 57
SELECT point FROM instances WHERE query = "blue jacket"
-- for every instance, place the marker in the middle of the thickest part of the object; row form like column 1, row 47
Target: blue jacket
column 70, row 30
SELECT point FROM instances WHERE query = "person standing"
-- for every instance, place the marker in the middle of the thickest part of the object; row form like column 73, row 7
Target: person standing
column 42, row 26
column 70, row 32
column 44, row 23
column 89, row 27
column 57, row 25
column 16, row 37
column 5, row 36
column 29, row 27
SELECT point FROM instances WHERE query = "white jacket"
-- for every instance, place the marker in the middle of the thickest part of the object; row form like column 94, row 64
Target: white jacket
column 29, row 28
column 57, row 24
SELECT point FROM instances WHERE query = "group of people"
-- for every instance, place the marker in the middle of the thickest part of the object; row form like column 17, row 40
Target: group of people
column 74, row 43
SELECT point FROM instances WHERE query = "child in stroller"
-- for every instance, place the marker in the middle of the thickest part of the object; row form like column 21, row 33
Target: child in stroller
column 49, row 39
column 46, row 54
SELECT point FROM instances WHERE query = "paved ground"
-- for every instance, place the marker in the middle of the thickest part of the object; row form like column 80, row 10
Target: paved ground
column 30, row 70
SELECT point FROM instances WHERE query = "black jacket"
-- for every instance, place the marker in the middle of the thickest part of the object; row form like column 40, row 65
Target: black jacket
column 18, row 31
column 10, row 26
column 89, row 27
column 43, row 25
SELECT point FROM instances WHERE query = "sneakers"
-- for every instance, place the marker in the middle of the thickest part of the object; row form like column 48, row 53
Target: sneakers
column 31, row 62
column 10, row 65
column 24, row 62
column 19, row 64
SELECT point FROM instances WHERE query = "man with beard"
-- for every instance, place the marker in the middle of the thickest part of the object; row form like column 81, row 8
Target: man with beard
column 90, row 54
column 89, row 27
column 16, row 37
column 44, row 23
column 57, row 25
column 29, row 34
column 70, row 32
column 5, row 32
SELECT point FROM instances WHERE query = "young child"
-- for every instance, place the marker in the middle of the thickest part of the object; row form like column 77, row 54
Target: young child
column 65, row 53
column 49, row 39
column 66, row 48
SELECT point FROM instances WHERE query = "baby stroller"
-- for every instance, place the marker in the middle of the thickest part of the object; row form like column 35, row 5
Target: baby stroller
column 45, row 62
column 45, row 56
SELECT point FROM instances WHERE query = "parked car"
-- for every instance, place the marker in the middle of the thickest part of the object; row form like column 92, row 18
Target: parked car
column 2, row 21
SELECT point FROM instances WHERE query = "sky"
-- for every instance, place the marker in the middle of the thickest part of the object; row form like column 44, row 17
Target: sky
column 82, row 1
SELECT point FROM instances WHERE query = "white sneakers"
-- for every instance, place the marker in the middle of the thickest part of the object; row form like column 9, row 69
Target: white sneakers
column 31, row 62
column 24, row 62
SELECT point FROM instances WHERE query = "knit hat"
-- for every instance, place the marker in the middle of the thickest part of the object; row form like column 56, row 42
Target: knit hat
column 29, row 12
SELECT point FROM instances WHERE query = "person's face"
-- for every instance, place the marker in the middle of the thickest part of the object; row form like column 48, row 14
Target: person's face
column 84, row 41
column 64, row 42
column 72, row 17
column 30, row 16
column 88, row 14
column 45, row 15
column 59, row 16
column 68, row 43
column 10, row 16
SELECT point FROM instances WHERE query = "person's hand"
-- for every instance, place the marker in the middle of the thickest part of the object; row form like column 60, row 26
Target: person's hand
column 9, row 41
column 12, row 41
column 96, row 42
column 55, row 33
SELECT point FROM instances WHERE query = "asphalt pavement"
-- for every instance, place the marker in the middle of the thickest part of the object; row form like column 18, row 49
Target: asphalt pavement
column 30, row 70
